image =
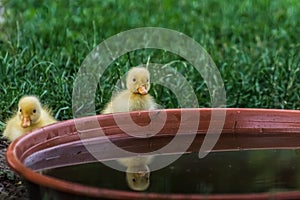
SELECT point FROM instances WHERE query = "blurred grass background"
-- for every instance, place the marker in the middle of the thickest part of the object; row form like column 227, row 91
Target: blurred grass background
column 254, row 43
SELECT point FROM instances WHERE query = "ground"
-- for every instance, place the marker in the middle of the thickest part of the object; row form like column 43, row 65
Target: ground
column 11, row 185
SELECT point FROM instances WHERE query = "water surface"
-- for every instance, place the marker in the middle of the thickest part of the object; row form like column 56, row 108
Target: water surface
column 248, row 171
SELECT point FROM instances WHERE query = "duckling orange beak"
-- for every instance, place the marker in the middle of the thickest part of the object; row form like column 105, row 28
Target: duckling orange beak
column 26, row 122
column 142, row 90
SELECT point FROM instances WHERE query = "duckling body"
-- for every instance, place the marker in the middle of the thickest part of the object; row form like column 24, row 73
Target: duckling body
column 128, row 101
column 30, row 115
column 136, row 96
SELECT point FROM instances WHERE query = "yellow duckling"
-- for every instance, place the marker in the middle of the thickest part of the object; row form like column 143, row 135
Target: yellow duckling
column 137, row 172
column 136, row 96
column 30, row 115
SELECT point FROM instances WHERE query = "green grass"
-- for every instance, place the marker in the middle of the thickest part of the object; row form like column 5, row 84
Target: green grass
column 254, row 43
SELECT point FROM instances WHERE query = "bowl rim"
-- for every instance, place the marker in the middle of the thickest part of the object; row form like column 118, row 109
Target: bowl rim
column 289, row 125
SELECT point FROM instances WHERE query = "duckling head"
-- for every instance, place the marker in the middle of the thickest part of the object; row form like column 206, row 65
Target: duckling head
column 138, row 80
column 138, row 177
column 29, row 111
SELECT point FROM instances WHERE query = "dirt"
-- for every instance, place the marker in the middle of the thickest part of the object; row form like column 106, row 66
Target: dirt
column 11, row 184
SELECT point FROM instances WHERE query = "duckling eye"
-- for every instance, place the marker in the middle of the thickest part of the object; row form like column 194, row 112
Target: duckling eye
column 133, row 79
column 133, row 180
column 20, row 110
column 34, row 111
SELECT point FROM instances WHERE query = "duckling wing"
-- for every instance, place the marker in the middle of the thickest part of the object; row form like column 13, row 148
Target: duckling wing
column 13, row 129
column 45, row 118
column 151, row 103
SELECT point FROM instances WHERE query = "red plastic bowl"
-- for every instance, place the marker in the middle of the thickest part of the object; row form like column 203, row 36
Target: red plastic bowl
column 243, row 129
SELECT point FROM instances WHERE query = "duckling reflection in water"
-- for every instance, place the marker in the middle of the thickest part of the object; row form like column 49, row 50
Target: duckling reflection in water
column 137, row 172
column 135, row 97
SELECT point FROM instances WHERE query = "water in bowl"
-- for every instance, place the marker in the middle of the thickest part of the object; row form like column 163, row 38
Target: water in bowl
column 248, row 171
